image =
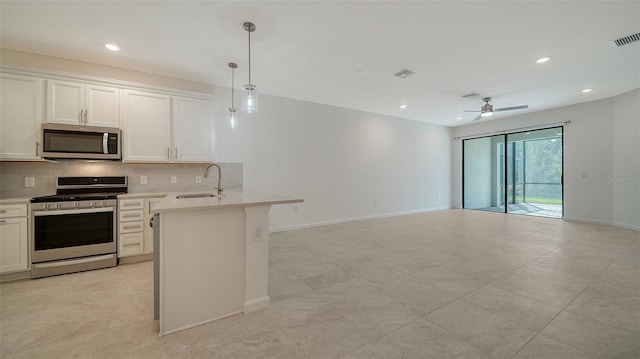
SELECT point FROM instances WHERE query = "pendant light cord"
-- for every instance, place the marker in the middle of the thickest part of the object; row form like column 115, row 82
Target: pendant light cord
column 233, row 70
column 249, row 57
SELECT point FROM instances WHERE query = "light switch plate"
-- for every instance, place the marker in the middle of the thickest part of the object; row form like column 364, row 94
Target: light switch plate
column 198, row 179
column 143, row 179
column 174, row 179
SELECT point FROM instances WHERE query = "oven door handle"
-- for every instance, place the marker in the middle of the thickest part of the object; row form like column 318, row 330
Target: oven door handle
column 55, row 212
column 105, row 143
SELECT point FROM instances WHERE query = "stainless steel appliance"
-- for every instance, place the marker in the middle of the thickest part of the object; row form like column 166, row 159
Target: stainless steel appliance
column 80, row 142
column 76, row 229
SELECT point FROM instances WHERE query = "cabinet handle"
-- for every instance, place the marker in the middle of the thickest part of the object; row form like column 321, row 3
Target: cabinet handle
column 86, row 112
column 37, row 148
column 168, row 153
column 81, row 116
column 3, row 221
column 129, row 204
column 176, row 153
column 130, row 227
column 131, row 244
column 130, row 215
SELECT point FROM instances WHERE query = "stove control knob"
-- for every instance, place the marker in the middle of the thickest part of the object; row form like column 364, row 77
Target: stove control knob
column 58, row 205
column 93, row 203
column 76, row 204
column 47, row 205
column 104, row 203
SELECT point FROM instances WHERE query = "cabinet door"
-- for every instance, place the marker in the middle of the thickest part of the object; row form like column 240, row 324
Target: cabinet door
column 102, row 106
column 13, row 244
column 64, row 102
column 146, row 126
column 20, row 116
column 193, row 129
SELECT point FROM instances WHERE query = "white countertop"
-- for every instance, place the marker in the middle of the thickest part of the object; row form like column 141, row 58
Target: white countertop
column 143, row 195
column 15, row 201
column 230, row 199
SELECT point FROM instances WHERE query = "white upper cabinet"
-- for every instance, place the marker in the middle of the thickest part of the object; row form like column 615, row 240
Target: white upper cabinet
column 192, row 129
column 147, row 126
column 20, row 116
column 75, row 103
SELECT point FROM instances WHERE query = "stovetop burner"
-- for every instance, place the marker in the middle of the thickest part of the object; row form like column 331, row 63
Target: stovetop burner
column 86, row 189
column 76, row 197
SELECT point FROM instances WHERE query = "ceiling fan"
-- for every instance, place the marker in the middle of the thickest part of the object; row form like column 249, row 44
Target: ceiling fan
column 488, row 110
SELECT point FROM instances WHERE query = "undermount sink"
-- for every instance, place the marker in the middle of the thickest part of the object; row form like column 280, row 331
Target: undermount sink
column 196, row 195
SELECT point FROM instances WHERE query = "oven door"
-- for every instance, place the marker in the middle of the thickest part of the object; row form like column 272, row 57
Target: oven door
column 62, row 234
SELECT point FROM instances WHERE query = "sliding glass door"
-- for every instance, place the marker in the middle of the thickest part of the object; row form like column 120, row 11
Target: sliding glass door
column 515, row 173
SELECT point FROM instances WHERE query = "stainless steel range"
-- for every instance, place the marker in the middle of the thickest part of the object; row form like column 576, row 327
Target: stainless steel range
column 76, row 229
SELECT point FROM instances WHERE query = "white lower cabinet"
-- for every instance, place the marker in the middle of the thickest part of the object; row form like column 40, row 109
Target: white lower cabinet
column 135, row 234
column 131, row 227
column 14, row 238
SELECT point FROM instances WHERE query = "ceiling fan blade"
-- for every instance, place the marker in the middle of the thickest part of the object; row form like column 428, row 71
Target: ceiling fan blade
column 511, row 108
column 471, row 111
column 477, row 118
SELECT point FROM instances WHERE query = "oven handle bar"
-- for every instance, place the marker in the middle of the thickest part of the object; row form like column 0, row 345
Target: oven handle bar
column 55, row 212
column 74, row 261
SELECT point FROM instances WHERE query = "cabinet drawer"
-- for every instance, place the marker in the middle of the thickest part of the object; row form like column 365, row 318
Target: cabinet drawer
column 13, row 210
column 125, row 204
column 129, row 227
column 130, row 244
column 132, row 215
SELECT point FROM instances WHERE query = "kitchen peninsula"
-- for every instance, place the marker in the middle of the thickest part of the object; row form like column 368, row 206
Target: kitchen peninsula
column 211, row 257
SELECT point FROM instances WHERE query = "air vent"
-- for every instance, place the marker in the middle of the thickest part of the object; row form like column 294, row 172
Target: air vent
column 470, row 95
column 627, row 40
column 404, row 74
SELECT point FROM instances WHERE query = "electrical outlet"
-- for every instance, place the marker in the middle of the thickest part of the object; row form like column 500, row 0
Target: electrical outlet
column 198, row 179
column 375, row 202
column 295, row 209
column 143, row 179
column 174, row 179
column 258, row 236
column 29, row 181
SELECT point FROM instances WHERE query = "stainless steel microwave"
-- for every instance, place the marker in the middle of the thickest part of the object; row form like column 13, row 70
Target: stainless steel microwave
column 80, row 142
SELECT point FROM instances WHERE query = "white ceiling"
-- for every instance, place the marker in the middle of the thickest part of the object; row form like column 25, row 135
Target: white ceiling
column 314, row 51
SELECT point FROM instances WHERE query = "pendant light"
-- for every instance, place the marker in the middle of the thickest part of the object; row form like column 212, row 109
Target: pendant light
column 233, row 115
column 249, row 91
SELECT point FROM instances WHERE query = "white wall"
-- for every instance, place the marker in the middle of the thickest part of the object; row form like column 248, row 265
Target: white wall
column 596, row 139
column 626, row 160
column 338, row 160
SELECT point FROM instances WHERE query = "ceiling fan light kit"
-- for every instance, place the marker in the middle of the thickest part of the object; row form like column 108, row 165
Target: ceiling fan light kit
column 487, row 109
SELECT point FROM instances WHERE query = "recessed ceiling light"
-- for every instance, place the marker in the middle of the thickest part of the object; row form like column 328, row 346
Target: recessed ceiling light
column 112, row 47
column 542, row 60
column 459, row 118
column 403, row 106
column 361, row 72
column 586, row 90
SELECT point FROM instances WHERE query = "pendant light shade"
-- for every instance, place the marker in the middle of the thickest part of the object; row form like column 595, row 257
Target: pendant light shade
column 249, row 91
column 233, row 114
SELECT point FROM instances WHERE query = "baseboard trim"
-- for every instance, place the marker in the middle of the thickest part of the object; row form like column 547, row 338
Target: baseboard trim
column 354, row 219
column 256, row 304
column 136, row 258
column 9, row 277
column 609, row 223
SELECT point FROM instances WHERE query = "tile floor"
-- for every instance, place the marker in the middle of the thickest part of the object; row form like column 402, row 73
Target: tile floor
column 447, row 284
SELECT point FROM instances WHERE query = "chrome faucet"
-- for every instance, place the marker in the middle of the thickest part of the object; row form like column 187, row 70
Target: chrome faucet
column 206, row 174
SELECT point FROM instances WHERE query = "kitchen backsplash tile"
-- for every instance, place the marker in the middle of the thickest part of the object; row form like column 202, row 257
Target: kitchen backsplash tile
column 12, row 176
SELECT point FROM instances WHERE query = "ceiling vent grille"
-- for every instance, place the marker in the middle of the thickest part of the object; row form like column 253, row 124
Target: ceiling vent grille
column 404, row 74
column 627, row 40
